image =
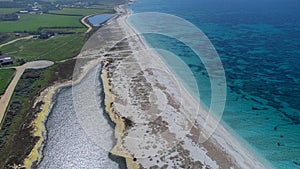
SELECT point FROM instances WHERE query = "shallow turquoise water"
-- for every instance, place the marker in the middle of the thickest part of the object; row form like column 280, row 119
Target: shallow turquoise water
column 258, row 43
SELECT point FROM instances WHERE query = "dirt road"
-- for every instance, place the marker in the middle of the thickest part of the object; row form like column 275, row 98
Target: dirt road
column 86, row 24
column 5, row 99
column 15, row 40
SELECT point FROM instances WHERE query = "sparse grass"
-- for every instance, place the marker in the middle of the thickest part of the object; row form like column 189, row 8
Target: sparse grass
column 82, row 11
column 6, row 37
column 6, row 76
column 8, row 10
column 31, row 22
column 55, row 49
column 60, row 30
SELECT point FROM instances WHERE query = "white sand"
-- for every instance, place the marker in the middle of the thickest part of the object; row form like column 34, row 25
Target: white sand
column 159, row 134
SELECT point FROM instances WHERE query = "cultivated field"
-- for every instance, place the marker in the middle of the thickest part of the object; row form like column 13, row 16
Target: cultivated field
column 55, row 48
column 81, row 11
column 31, row 22
column 8, row 10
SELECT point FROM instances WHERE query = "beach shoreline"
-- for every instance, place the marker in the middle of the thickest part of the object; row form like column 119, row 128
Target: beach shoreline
column 221, row 141
column 46, row 97
column 120, row 125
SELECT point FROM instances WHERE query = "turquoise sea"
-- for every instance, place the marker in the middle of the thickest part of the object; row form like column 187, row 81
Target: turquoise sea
column 259, row 45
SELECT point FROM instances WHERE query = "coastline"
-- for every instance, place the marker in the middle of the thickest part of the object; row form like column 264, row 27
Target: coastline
column 120, row 125
column 222, row 140
column 118, row 150
column 46, row 97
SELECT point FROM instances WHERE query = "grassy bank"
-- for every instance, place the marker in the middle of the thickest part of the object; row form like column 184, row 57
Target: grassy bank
column 6, row 37
column 8, row 10
column 6, row 76
column 81, row 11
column 32, row 22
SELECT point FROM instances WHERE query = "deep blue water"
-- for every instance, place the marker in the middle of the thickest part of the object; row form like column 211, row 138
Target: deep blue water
column 97, row 20
column 259, row 45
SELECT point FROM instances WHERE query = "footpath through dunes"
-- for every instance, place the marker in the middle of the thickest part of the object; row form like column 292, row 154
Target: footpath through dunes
column 5, row 99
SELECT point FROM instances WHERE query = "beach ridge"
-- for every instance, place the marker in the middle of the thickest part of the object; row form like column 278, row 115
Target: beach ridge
column 120, row 124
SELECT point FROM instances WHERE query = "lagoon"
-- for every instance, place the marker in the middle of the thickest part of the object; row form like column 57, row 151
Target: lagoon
column 97, row 20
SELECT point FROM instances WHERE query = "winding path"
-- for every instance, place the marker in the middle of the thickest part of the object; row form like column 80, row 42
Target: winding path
column 15, row 40
column 5, row 99
column 31, row 36
column 86, row 24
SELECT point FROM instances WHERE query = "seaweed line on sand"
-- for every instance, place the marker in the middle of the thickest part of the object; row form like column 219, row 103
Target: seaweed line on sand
column 120, row 125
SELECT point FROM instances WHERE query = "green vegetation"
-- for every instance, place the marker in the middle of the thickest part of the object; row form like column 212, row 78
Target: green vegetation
column 82, row 11
column 56, row 48
column 8, row 10
column 63, row 30
column 6, row 37
column 6, row 76
column 29, row 22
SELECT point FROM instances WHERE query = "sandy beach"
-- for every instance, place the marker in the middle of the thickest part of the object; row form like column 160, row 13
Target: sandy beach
column 155, row 115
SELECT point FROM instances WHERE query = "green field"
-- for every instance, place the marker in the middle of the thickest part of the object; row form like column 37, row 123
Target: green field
column 6, row 76
column 6, row 37
column 31, row 22
column 56, row 30
column 82, row 11
column 56, row 48
column 8, row 10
